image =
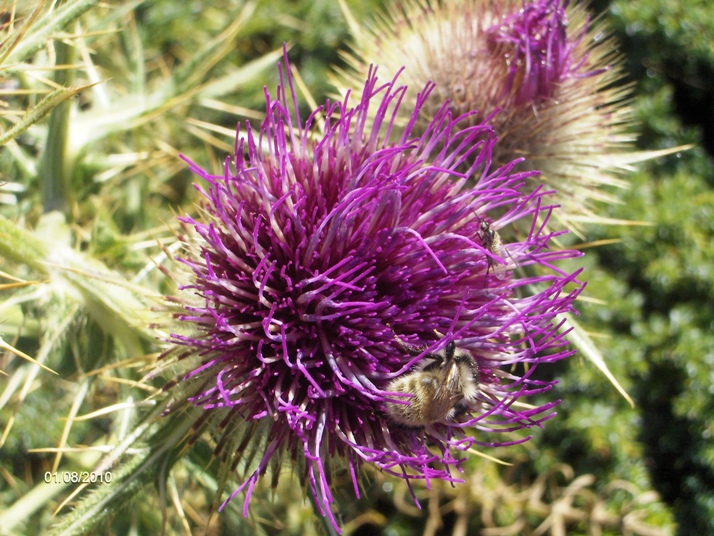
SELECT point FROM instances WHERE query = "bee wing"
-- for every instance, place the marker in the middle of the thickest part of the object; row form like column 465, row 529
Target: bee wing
column 499, row 269
column 436, row 362
column 493, row 244
column 452, row 386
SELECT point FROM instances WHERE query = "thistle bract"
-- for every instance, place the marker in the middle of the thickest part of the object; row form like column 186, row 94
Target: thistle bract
column 319, row 255
column 549, row 71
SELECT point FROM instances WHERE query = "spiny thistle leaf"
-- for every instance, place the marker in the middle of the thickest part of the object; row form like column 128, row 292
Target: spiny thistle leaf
column 40, row 110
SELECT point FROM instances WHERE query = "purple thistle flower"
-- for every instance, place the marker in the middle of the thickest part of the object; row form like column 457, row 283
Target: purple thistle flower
column 538, row 52
column 319, row 258
column 542, row 64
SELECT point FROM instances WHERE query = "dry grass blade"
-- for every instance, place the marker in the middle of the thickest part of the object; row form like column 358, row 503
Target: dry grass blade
column 23, row 355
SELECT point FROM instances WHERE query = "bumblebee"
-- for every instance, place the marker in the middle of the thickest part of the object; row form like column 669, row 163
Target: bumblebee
column 440, row 391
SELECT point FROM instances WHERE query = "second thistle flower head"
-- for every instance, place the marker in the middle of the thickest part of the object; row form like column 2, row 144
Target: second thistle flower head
column 326, row 265
column 549, row 72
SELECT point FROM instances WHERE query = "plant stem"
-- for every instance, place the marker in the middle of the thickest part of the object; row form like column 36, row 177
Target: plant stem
column 55, row 169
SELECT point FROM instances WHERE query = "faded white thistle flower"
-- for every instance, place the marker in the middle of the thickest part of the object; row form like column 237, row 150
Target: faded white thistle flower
column 325, row 266
column 547, row 69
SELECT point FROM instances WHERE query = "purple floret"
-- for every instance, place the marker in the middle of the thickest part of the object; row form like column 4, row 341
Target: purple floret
column 538, row 51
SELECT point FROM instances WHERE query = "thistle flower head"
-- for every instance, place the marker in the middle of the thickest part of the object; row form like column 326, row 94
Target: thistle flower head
column 548, row 70
column 537, row 55
column 319, row 258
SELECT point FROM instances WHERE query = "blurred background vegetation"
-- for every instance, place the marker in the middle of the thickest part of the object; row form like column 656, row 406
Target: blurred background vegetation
column 91, row 186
